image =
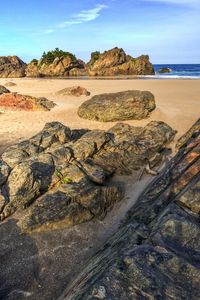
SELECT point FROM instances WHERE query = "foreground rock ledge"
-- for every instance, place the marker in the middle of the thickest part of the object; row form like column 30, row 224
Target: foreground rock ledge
column 128, row 105
column 156, row 253
column 59, row 177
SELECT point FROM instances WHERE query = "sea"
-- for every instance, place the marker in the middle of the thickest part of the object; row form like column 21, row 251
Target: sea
column 178, row 71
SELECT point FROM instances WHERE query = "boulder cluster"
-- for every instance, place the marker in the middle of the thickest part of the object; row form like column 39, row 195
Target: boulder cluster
column 110, row 63
column 60, row 176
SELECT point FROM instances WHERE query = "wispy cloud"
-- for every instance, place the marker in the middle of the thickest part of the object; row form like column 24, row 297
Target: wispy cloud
column 79, row 18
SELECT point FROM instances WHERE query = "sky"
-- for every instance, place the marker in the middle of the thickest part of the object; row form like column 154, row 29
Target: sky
column 167, row 30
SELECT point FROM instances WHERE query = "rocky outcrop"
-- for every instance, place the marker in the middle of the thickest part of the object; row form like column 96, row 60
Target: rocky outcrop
column 12, row 67
column 60, row 176
column 3, row 90
column 128, row 105
column 63, row 66
column 116, row 62
column 165, row 70
column 74, row 91
column 14, row 101
column 110, row 63
column 156, row 252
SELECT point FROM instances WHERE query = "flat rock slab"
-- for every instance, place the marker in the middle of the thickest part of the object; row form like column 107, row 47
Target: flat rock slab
column 128, row 105
column 14, row 101
column 74, row 91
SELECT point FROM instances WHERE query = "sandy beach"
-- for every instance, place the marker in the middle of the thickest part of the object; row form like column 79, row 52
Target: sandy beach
column 177, row 103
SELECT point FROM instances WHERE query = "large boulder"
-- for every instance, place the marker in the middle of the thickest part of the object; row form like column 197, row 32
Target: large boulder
column 155, row 254
column 14, row 101
column 128, row 105
column 60, row 177
column 12, row 67
column 61, row 66
column 116, row 62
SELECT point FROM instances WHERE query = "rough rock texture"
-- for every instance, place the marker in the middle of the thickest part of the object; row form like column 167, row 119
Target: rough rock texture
column 110, row 63
column 60, row 176
column 3, row 90
column 12, row 67
column 14, row 101
column 194, row 130
column 116, row 62
column 165, row 70
column 10, row 84
column 74, row 91
column 63, row 66
column 156, row 252
column 128, row 105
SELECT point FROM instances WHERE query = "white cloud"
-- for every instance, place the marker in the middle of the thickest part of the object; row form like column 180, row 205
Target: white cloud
column 82, row 17
column 91, row 14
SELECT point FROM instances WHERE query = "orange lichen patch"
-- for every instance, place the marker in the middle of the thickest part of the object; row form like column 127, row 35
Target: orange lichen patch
column 14, row 101
column 186, row 178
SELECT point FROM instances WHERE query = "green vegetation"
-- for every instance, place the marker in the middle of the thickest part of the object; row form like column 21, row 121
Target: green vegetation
column 62, row 178
column 94, row 57
column 48, row 58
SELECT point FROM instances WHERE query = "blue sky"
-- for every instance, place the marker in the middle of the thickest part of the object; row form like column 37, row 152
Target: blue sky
column 167, row 30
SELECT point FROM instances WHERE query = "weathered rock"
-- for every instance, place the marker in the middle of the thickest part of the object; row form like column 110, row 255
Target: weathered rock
column 165, row 70
column 12, row 67
column 60, row 67
column 10, row 84
column 189, row 134
column 128, row 105
column 156, row 252
column 115, row 62
column 74, row 91
column 4, row 172
column 53, row 133
column 14, row 101
column 76, row 203
column 3, row 90
column 60, row 177
column 110, row 63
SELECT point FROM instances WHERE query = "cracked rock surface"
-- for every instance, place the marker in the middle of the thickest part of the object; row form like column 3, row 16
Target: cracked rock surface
column 60, row 177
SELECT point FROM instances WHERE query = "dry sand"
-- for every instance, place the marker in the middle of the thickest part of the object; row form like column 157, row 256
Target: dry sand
column 178, row 104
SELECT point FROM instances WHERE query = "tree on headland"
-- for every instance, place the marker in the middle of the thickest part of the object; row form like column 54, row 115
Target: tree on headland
column 49, row 57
